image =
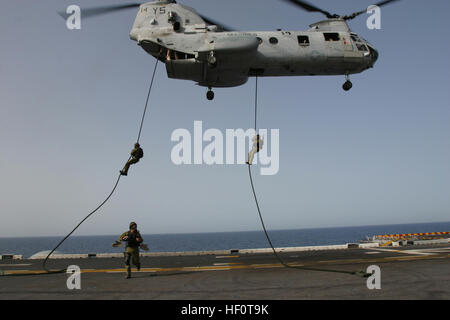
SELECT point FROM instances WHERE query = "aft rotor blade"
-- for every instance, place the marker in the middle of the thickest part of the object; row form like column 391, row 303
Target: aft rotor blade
column 379, row 4
column 311, row 8
column 92, row 12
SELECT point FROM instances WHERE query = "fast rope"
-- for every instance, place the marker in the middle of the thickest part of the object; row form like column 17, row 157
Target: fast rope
column 117, row 181
column 100, row 206
column 78, row 225
column 146, row 102
column 358, row 273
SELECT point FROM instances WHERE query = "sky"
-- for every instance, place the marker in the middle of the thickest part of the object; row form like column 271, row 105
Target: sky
column 71, row 102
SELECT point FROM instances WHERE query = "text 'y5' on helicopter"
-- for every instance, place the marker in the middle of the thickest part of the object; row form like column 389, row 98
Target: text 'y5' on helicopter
column 196, row 48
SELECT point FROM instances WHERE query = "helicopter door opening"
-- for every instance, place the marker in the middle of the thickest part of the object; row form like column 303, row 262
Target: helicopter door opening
column 173, row 55
column 181, row 65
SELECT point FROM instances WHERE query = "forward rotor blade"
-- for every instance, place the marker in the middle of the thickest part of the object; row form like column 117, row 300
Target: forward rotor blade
column 379, row 4
column 311, row 8
column 92, row 12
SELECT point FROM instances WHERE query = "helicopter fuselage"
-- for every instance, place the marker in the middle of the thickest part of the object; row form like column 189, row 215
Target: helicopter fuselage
column 192, row 50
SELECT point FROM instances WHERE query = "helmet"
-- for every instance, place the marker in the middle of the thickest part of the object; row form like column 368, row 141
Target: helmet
column 133, row 224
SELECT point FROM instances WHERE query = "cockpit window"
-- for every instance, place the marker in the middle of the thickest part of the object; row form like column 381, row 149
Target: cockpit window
column 355, row 38
column 331, row 36
column 361, row 47
column 359, row 42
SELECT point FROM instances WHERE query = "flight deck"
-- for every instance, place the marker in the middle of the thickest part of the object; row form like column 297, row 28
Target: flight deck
column 406, row 272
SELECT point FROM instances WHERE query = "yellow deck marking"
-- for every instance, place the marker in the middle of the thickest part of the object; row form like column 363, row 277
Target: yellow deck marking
column 387, row 243
column 236, row 266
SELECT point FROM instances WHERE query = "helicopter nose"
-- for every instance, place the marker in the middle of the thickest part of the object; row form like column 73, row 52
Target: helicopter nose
column 373, row 54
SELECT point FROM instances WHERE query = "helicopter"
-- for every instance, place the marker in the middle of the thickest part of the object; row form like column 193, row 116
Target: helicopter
column 194, row 47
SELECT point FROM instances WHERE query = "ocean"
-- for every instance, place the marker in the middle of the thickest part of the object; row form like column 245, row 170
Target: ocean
column 215, row 241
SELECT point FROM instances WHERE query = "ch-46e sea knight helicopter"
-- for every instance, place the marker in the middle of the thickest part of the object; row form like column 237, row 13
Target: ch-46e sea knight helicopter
column 196, row 48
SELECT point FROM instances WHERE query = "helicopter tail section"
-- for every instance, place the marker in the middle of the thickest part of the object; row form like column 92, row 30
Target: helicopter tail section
column 162, row 19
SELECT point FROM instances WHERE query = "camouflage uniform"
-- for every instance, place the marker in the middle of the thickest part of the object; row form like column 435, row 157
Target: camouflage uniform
column 136, row 154
column 132, row 249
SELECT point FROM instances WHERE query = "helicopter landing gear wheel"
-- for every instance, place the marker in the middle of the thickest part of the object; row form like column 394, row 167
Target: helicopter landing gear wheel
column 348, row 84
column 210, row 94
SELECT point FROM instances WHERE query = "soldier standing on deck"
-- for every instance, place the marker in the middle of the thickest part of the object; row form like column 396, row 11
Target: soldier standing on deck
column 134, row 240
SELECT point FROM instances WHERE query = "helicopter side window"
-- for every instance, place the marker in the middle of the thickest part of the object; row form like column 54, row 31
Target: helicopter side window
column 303, row 40
column 331, row 36
column 273, row 40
